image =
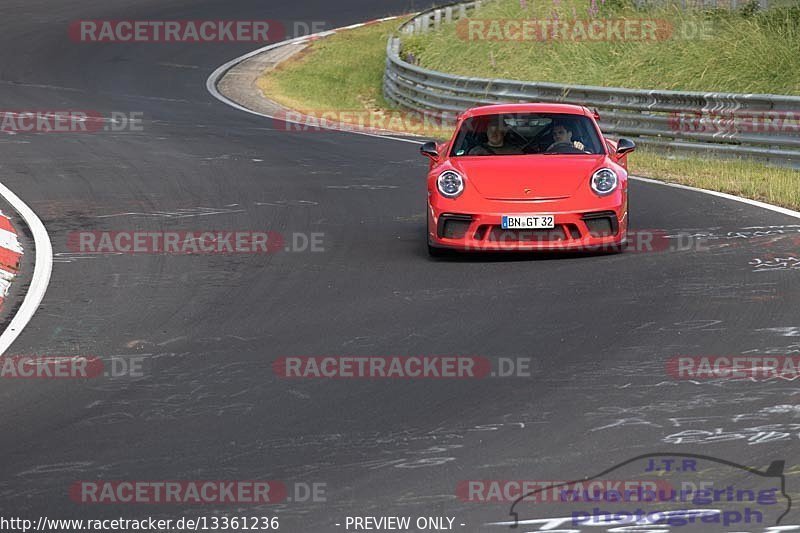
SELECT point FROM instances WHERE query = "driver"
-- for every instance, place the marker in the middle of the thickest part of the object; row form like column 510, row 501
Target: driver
column 496, row 141
column 562, row 135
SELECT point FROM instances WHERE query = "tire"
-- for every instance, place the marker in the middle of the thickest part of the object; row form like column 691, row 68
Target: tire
column 617, row 248
column 621, row 247
column 435, row 252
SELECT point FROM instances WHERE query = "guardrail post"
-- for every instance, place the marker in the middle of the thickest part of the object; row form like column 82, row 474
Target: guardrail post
column 426, row 22
column 726, row 125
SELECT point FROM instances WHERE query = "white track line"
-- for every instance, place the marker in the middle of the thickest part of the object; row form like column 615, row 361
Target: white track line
column 43, row 267
column 213, row 79
column 756, row 203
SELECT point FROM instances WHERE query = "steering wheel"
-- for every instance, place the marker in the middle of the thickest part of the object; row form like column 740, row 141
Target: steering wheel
column 534, row 140
column 564, row 147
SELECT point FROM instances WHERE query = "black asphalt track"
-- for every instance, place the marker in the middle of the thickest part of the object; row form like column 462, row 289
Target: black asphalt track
column 599, row 329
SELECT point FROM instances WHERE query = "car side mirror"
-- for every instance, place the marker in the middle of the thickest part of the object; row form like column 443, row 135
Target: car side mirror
column 428, row 149
column 625, row 146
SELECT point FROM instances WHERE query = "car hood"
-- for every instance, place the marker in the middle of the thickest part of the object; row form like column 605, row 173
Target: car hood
column 535, row 177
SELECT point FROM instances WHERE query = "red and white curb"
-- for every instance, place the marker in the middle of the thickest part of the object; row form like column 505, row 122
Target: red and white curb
column 10, row 255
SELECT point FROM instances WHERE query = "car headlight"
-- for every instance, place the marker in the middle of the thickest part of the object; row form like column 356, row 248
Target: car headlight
column 450, row 183
column 604, row 181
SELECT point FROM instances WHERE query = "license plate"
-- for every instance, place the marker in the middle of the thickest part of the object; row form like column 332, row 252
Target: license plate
column 528, row 222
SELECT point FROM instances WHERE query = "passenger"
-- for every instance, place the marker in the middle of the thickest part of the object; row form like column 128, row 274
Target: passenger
column 496, row 141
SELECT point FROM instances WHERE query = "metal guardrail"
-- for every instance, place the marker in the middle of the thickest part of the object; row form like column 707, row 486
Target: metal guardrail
column 704, row 4
column 760, row 126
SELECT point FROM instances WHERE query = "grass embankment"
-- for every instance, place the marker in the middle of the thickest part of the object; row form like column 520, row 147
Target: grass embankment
column 345, row 71
column 741, row 51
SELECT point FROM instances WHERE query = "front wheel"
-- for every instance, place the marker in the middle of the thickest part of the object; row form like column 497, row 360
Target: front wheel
column 433, row 251
column 621, row 247
column 617, row 248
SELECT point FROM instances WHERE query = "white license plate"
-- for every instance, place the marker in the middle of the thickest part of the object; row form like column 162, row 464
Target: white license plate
column 528, row 222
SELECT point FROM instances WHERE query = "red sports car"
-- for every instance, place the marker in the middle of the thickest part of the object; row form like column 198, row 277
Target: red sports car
column 527, row 177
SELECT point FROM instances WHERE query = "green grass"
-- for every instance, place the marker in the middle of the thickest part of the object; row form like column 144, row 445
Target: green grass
column 723, row 51
column 344, row 72
column 341, row 72
column 774, row 185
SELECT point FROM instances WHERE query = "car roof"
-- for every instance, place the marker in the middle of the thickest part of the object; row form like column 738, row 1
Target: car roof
column 497, row 109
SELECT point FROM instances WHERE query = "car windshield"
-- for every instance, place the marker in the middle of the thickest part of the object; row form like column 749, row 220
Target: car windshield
column 526, row 133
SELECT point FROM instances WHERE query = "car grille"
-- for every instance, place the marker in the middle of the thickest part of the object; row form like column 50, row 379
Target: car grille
column 601, row 223
column 453, row 226
column 561, row 232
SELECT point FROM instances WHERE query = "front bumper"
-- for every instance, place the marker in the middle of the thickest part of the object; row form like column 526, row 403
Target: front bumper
column 596, row 228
